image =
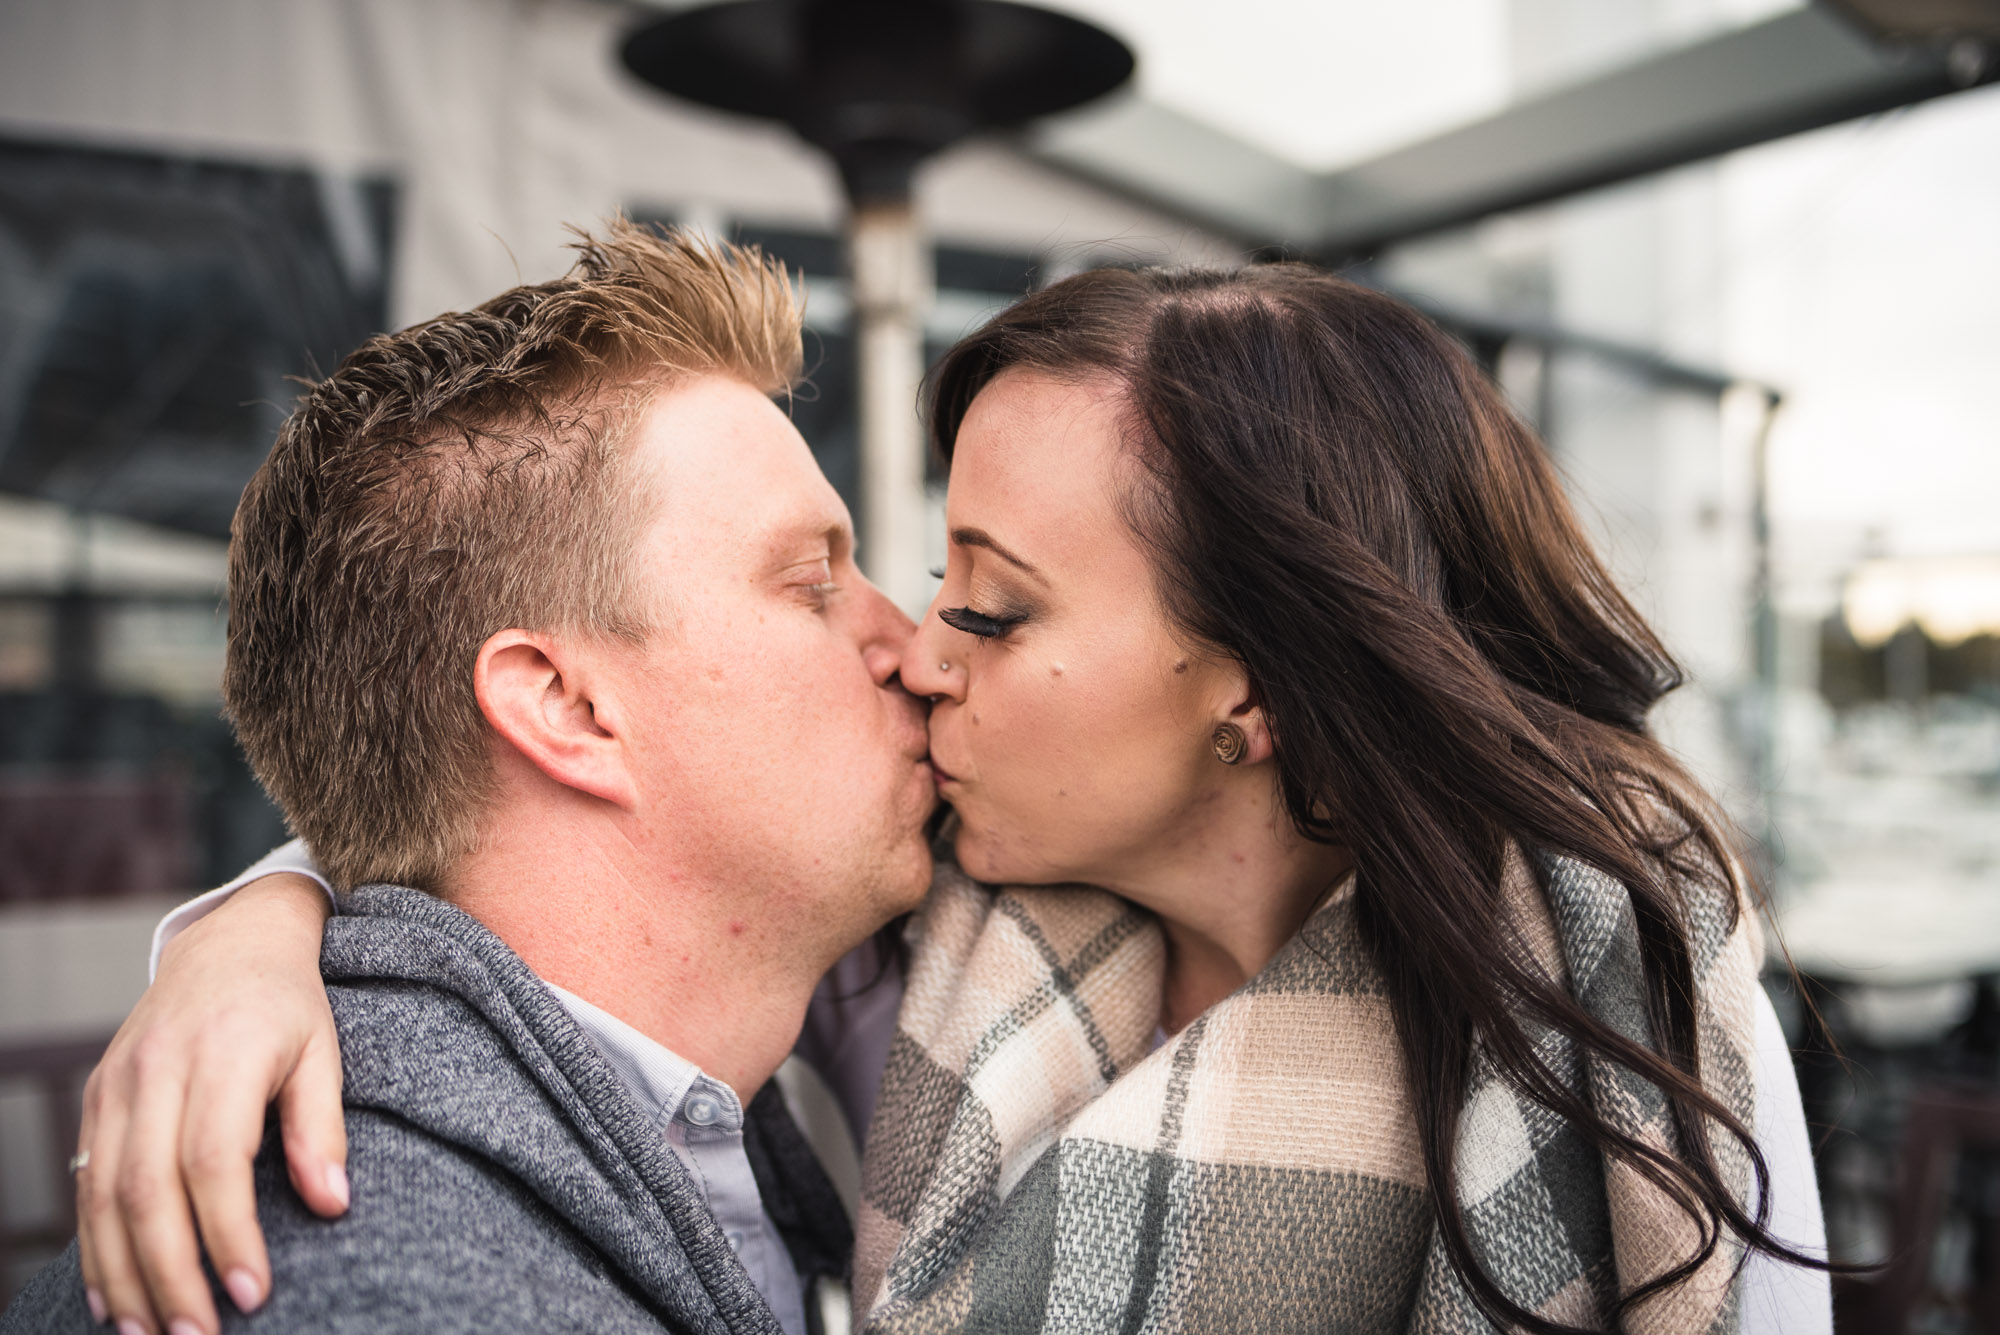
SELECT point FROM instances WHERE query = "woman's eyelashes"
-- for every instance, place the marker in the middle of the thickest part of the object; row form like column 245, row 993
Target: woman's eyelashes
column 985, row 626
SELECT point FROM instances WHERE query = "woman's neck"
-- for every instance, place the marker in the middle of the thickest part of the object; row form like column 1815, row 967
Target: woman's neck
column 1231, row 889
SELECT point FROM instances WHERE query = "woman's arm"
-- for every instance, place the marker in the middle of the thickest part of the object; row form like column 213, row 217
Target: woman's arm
column 174, row 1112
column 291, row 857
column 1780, row 1298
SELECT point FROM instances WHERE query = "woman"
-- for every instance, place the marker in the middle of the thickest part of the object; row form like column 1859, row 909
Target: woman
column 1423, row 996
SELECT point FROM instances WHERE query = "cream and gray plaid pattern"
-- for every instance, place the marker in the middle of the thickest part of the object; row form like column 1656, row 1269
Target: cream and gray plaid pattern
column 1036, row 1164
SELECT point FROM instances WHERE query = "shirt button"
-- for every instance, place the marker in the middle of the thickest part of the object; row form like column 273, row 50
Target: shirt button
column 735, row 1242
column 703, row 1110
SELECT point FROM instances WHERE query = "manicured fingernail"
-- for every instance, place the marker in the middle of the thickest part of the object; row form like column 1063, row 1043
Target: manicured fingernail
column 336, row 1182
column 183, row 1326
column 127, row 1326
column 244, row 1290
column 95, row 1302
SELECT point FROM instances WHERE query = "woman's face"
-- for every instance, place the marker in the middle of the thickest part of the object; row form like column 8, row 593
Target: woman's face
column 1070, row 728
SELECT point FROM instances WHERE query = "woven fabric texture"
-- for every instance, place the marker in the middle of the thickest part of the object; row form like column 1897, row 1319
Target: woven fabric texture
column 1037, row 1164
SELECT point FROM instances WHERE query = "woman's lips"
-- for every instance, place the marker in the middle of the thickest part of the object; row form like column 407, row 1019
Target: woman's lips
column 941, row 774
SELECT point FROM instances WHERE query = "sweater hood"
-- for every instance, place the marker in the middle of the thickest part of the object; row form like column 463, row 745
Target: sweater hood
column 443, row 1026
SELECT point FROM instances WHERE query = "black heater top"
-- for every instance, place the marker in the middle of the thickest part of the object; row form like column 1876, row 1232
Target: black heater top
column 879, row 84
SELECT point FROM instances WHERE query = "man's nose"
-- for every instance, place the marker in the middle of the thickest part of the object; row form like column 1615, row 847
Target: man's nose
column 886, row 632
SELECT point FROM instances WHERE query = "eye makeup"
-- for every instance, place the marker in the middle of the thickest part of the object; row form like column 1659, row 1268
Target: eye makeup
column 982, row 624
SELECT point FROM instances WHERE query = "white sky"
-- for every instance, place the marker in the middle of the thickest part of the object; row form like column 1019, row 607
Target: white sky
column 1862, row 273
column 1329, row 82
column 1309, row 80
column 1860, row 266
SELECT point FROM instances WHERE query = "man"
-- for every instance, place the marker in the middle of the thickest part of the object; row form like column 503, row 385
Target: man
column 545, row 631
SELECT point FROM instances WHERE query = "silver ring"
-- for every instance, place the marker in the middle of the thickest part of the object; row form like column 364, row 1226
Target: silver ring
column 79, row 1161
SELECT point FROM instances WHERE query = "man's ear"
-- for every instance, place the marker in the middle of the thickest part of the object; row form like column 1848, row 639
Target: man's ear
column 536, row 693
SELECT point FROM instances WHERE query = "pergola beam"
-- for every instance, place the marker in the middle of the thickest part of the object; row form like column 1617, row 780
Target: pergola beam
column 1799, row 71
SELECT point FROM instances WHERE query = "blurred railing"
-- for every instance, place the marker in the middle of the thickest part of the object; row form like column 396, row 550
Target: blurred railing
column 97, row 837
column 1950, row 1135
column 54, row 1073
column 1902, row 1094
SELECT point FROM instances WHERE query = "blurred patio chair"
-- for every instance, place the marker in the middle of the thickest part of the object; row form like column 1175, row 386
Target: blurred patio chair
column 1943, row 1124
column 65, row 838
column 55, row 1071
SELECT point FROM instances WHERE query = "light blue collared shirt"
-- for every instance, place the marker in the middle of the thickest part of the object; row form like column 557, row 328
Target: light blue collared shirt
column 703, row 1121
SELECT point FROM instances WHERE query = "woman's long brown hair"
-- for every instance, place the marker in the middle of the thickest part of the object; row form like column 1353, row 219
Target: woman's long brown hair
column 1337, row 497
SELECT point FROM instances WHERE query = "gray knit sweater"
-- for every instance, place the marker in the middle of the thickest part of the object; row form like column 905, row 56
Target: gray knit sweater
column 503, row 1179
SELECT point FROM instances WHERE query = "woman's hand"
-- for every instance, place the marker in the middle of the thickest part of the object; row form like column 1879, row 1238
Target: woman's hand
column 174, row 1113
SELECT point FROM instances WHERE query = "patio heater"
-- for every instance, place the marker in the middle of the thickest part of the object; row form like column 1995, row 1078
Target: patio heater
column 880, row 86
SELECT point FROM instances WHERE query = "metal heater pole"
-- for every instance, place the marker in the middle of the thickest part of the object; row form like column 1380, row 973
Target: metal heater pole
column 893, row 284
column 1764, row 635
column 882, row 86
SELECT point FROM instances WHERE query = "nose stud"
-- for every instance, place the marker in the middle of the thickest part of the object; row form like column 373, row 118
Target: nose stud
column 944, row 667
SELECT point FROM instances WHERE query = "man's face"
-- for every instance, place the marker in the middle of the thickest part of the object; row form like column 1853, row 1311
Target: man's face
column 778, row 757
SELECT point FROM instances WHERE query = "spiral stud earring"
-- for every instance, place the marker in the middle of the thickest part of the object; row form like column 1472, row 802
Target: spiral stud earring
column 1229, row 743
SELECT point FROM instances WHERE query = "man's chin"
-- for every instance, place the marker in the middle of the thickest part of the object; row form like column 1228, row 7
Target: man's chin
column 906, row 867
column 916, row 883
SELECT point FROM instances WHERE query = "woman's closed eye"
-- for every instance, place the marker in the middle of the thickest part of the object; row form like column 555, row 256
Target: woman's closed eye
column 984, row 625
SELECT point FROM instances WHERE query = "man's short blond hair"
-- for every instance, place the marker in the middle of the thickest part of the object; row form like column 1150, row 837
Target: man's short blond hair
column 458, row 478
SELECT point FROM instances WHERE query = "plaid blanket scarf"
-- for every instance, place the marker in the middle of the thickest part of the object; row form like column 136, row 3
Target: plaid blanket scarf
column 1037, row 1163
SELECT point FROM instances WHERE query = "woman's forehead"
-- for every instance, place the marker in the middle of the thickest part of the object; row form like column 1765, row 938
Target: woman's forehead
column 1038, row 465
column 1028, row 424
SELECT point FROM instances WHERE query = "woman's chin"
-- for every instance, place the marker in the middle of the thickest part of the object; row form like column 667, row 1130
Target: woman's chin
column 984, row 857
column 970, row 851
column 1001, row 859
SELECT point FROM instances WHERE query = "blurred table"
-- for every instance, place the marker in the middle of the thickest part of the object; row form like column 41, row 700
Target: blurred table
column 1885, row 932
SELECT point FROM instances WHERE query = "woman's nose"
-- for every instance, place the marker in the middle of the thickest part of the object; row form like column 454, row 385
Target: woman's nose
column 928, row 665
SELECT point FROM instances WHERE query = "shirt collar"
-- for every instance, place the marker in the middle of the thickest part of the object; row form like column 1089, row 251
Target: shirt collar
column 669, row 1085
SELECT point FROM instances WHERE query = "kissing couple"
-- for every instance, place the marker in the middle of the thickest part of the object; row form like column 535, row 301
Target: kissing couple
column 1317, row 937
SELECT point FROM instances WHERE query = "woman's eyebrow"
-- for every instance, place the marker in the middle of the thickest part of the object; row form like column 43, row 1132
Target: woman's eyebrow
column 979, row 537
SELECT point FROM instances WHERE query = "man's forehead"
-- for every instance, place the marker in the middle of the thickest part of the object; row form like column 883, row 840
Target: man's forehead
column 728, row 463
column 716, row 427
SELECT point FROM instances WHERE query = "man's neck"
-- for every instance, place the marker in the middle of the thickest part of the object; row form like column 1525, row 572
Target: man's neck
column 684, row 962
